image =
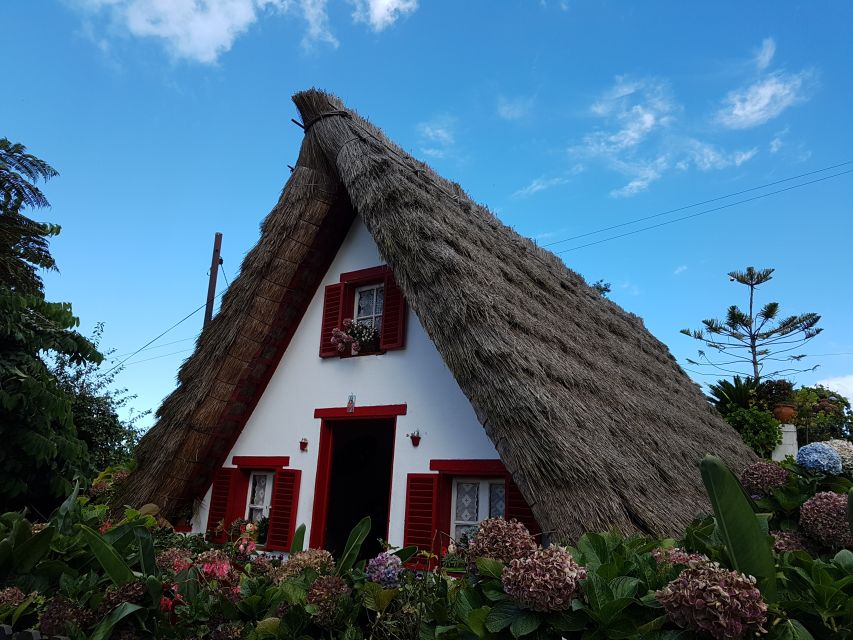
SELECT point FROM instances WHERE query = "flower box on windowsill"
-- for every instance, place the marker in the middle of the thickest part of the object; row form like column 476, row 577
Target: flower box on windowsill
column 356, row 339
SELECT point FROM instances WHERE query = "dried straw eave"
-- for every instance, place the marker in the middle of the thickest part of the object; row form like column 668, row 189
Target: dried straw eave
column 591, row 413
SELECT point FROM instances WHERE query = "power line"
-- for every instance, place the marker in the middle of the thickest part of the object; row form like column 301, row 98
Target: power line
column 696, row 204
column 221, row 268
column 706, row 211
column 159, row 346
column 165, row 355
column 150, row 342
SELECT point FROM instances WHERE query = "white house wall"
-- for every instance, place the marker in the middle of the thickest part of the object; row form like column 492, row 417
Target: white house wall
column 415, row 376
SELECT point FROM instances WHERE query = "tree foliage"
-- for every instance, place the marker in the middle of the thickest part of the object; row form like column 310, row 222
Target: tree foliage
column 755, row 338
column 41, row 450
column 95, row 407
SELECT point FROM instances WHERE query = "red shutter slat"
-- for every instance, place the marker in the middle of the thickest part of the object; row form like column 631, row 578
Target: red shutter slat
column 393, row 317
column 332, row 307
column 421, row 503
column 218, row 510
column 517, row 507
column 285, row 499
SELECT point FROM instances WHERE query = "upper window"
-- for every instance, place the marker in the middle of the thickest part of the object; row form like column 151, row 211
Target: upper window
column 474, row 500
column 369, row 304
column 366, row 307
column 260, row 496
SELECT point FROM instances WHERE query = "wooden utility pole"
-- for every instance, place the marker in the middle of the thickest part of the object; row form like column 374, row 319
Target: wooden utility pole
column 215, row 261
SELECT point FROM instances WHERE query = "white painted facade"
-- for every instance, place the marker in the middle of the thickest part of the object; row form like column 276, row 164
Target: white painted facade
column 415, row 375
column 788, row 446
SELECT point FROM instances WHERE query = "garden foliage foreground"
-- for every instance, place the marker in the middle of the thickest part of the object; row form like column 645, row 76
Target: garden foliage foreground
column 773, row 560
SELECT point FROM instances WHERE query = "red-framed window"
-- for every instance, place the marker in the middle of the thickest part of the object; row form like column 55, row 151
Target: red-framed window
column 371, row 298
column 258, row 486
column 431, row 497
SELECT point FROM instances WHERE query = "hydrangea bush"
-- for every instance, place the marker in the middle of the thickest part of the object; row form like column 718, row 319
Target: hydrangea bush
column 824, row 518
column 385, row 570
column 714, row 601
column 761, row 478
column 504, row 540
column 844, row 449
column 819, row 457
column 545, row 580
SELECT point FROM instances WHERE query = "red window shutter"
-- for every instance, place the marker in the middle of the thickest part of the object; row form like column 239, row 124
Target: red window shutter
column 332, row 317
column 393, row 317
column 285, row 499
column 516, row 507
column 421, row 506
column 218, row 510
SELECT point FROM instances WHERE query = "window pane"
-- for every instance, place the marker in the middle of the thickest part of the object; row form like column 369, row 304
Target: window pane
column 365, row 303
column 380, row 301
column 497, row 500
column 255, row 514
column 464, row 533
column 259, row 489
column 467, row 501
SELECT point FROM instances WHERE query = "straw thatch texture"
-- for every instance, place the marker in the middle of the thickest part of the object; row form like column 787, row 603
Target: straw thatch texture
column 589, row 412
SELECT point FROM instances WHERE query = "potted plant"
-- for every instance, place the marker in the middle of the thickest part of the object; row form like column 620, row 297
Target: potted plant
column 303, row 444
column 415, row 437
column 777, row 396
column 354, row 338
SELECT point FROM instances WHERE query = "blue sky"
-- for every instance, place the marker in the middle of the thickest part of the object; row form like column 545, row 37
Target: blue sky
column 170, row 119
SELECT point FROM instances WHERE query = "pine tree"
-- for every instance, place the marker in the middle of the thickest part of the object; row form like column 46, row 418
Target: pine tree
column 755, row 339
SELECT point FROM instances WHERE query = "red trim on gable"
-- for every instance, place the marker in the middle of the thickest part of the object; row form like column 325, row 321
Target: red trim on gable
column 365, row 276
column 261, row 462
column 469, row 467
column 370, row 411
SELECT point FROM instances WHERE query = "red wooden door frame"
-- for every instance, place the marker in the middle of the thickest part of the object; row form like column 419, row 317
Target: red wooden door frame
column 336, row 415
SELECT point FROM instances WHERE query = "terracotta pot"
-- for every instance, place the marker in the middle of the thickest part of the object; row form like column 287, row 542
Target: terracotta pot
column 784, row 412
column 303, row 445
column 416, row 440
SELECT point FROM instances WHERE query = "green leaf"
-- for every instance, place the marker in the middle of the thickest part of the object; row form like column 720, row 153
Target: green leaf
column 298, row 543
column 493, row 590
column 844, row 560
column 527, row 622
column 789, row 630
column 490, row 567
column 66, row 508
column 103, row 630
column 593, row 547
column 114, row 566
column 155, row 589
column 624, row 586
column 476, row 621
column 406, row 553
column 21, row 608
column 32, row 550
column 376, row 598
column 146, row 552
column 747, row 546
column 353, row 546
column 501, row 616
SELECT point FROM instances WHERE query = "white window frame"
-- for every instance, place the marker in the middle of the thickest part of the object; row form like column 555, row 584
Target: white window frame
column 267, row 494
column 482, row 501
column 374, row 317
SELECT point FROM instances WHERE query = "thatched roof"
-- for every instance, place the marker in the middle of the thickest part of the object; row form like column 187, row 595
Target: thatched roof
column 590, row 413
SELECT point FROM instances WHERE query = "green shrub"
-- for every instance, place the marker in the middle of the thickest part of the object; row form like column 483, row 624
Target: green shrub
column 760, row 430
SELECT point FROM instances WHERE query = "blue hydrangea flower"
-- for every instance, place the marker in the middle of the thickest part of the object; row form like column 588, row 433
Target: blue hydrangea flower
column 820, row 458
column 385, row 570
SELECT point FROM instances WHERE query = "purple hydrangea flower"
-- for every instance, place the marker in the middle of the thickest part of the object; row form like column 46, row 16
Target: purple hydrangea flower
column 761, row 478
column 715, row 602
column 824, row 518
column 385, row 570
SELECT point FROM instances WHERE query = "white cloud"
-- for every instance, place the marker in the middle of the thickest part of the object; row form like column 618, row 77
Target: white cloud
column 778, row 141
column 198, row 30
column 679, row 270
column 539, row 184
column 630, row 287
column 644, row 174
column 841, row 384
column 707, row 157
column 514, row 108
column 763, row 100
column 203, row 30
column 380, row 14
column 764, row 56
column 437, row 136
